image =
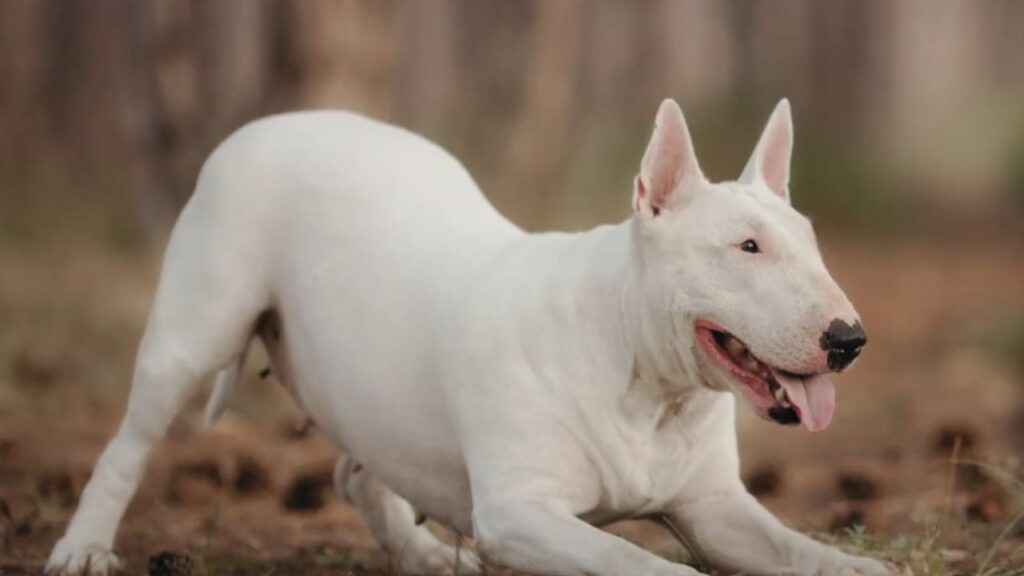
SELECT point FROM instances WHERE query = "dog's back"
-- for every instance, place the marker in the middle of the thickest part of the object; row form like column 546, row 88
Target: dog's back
column 368, row 233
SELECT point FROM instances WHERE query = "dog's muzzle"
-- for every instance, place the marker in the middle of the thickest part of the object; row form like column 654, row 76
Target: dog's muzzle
column 843, row 343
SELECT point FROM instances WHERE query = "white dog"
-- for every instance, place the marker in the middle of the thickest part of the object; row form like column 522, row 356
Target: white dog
column 519, row 388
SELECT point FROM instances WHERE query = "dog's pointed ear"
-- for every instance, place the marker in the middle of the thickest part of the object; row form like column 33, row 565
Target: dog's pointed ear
column 770, row 161
column 669, row 164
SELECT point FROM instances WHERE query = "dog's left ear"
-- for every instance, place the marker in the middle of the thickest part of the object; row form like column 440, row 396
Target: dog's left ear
column 770, row 161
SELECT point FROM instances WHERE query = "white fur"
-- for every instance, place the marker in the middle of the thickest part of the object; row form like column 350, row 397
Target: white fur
column 519, row 388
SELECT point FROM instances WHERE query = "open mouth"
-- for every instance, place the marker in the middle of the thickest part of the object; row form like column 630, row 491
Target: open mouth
column 776, row 394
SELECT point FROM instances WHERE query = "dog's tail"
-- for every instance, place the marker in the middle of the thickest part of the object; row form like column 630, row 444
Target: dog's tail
column 224, row 388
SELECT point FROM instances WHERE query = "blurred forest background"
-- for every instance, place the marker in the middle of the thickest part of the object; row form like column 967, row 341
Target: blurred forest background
column 909, row 157
column 907, row 113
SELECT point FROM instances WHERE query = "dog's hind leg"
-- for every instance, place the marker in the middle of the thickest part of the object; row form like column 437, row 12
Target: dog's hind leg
column 393, row 522
column 202, row 319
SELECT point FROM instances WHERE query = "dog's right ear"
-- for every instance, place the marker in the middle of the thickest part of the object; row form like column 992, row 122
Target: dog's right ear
column 770, row 161
column 669, row 165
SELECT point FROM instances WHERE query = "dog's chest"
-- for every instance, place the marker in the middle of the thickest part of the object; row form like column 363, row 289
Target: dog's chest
column 651, row 476
column 646, row 470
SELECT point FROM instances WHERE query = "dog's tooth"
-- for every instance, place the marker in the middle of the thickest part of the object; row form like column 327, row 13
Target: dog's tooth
column 780, row 394
column 734, row 347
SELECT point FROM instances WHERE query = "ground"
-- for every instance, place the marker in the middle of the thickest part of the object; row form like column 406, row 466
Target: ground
column 921, row 466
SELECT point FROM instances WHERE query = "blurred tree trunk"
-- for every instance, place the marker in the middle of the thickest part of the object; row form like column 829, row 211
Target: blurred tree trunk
column 235, row 55
column 922, row 87
column 938, row 55
column 147, row 124
column 694, row 56
column 23, row 65
column 780, row 48
column 345, row 51
column 89, row 42
column 541, row 132
column 613, row 48
column 428, row 86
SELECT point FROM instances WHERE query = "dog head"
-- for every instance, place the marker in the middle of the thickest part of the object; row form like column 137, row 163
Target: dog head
column 737, row 274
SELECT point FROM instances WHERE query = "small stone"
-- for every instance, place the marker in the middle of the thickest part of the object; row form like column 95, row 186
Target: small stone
column 251, row 476
column 308, row 492
column 857, row 486
column 765, row 480
column 170, row 564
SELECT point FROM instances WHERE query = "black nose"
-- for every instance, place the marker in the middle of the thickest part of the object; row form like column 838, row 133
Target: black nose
column 843, row 343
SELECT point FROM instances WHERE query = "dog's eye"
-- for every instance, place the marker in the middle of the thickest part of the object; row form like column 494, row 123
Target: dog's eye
column 750, row 246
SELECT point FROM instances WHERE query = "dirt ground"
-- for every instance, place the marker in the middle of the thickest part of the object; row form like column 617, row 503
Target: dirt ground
column 942, row 379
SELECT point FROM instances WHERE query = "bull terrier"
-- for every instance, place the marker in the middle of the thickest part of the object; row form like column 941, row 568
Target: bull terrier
column 523, row 389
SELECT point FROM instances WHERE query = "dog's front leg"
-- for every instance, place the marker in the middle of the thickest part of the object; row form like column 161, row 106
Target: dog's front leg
column 734, row 532
column 543, row 537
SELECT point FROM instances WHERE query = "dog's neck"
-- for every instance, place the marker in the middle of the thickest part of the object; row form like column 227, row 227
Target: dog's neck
column 645, row 346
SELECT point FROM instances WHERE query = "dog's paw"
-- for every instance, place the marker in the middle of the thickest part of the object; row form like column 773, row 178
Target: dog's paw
column 847, row 565
column 432, row 557
column 74, row 559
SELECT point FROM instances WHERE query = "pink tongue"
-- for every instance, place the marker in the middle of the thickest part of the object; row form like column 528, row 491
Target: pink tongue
column 814, row 398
